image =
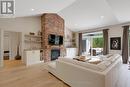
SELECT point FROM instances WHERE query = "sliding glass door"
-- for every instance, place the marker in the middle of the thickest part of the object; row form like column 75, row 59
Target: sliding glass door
column 92, row 43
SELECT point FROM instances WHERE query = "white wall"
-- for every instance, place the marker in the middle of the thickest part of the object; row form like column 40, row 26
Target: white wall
column 23, row 25
column 115, row 31
column 1, row 48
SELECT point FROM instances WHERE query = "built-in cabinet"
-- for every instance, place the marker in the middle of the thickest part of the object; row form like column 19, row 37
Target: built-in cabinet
column 32, row 57
column 74, row 39
column 33, row 49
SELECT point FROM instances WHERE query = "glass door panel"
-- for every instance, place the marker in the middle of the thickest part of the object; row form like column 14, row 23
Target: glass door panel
column 94, row 43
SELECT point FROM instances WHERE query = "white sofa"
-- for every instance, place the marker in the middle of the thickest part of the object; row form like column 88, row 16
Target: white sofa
column 81, row 74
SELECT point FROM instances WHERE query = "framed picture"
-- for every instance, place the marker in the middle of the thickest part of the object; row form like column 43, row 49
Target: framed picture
column 115, row 43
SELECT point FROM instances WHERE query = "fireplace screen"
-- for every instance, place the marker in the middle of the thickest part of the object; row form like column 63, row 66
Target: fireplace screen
column 55, row 53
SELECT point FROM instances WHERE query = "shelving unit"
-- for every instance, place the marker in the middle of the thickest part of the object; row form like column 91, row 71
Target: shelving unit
column 33, row 42
column 72, row 40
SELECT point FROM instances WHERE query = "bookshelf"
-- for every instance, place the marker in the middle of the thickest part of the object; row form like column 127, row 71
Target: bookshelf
column 33, row 42
column 71, row 40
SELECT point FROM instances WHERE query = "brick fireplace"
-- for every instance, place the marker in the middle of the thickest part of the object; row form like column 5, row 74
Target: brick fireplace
column 51, row 24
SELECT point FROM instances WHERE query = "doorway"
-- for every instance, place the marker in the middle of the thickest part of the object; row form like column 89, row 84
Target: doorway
column 12, row 49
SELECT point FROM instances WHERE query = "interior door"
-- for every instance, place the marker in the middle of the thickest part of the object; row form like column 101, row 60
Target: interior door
column 1, row 48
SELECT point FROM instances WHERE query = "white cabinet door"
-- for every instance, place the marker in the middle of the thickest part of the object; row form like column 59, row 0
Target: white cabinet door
column 1, row 48
column 32, row 57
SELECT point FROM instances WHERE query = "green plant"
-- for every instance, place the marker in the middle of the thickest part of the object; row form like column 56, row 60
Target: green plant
column 98, row 42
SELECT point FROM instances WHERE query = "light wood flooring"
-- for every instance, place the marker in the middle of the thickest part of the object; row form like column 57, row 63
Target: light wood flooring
column 12, row 63
column 38, row 76
column 33, row 76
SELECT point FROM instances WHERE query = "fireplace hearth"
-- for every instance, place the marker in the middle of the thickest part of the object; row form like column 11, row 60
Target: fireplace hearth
column 55, row 53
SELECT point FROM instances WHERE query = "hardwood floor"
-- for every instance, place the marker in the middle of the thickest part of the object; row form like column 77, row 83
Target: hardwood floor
column 38, row 76
column 34, row 76
column 12, row 63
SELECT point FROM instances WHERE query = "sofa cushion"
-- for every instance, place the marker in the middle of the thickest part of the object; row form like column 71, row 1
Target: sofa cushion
column 99, row 67
column 102, row 57
column 113, row 58
column 103, row 65
column 94, row 61
column 67, row 60
column 116, row 56
column 108, row 55
column 88, row 65
column 80, row 63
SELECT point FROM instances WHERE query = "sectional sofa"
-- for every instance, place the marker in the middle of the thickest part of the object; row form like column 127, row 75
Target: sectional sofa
column 83, row 74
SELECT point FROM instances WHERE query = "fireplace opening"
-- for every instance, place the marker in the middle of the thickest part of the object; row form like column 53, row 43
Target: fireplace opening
column 55, row 53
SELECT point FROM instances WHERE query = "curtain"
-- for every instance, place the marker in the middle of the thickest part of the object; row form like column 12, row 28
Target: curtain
column 125, row 46
column 105, row 36
column 80, row 44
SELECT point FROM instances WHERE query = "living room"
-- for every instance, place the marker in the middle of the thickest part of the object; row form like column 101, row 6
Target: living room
column 72, row 43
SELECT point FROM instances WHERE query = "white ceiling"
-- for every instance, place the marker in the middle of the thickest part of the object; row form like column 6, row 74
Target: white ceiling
column 78, row 14
column 24, row 7
column 85, row 14
column 121, row 9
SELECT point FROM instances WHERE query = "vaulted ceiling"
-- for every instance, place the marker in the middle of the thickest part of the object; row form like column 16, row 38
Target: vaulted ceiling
column 88, row 14
column 78, row 14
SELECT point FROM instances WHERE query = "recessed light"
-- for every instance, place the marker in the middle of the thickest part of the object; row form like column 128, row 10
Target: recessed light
column 32, row 9
column 101, row 17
